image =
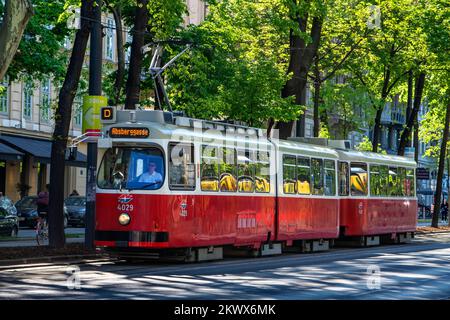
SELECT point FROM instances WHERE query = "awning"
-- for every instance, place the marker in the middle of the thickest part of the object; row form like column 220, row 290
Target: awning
column 40, row 149
column 8, row 153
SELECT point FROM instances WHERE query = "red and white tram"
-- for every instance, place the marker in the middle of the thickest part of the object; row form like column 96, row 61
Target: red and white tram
column 180, row 187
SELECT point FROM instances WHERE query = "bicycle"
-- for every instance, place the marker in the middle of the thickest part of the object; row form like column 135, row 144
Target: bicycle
column 41, row 231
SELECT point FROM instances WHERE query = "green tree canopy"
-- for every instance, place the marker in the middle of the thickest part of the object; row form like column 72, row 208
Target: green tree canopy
column 41, row 52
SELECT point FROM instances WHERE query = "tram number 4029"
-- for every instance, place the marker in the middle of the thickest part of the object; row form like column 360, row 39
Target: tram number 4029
column 125, row 207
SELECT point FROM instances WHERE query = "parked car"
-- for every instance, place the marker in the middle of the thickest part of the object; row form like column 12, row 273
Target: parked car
column 27, row 212
column 76, row 208
column 9, row 222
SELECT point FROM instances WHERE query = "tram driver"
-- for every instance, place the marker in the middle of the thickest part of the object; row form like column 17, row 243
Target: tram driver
column 151, row 175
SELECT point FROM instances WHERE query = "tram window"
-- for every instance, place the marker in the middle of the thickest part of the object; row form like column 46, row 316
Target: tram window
column 228, row 170
column 384, row 180
column 246, row 171
column 289, row 174
column 181, row 166
column 401, row 181
column 394, row 182
column 317, row 176
column 375, row 181
column 131, row 168
column 358, row 179
column 343, row 179
column 330, row 178
column 303, row 176
column 209, row 169
column 262, row 172
column 410, row 183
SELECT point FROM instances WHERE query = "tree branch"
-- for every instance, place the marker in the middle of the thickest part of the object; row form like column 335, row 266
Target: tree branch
column 16, row 17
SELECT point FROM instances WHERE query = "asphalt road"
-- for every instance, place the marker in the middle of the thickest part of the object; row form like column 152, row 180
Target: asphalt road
column 420, row 270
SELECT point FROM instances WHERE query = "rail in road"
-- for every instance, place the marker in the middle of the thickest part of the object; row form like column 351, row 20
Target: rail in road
column 419, row 270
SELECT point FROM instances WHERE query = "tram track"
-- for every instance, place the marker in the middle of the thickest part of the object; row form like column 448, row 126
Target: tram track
column 249, row 263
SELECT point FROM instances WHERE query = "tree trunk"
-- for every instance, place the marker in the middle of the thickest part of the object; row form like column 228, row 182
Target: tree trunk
column 317, row 86
column 416, row 141
column 15, row 19
column 448, row 178
column 133, row 88
column 406, row 134
column 63, row 116
column 300, row 61
column 409, row 103
column 120, row 74
column 377, row 130
column 440, row 176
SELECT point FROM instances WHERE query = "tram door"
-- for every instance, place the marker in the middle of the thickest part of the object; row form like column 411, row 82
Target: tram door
column 182, row 181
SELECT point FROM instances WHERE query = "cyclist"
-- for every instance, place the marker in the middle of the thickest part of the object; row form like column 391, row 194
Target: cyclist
column 42, row 206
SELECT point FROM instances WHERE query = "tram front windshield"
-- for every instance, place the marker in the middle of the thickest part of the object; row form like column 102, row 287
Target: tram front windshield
column 132, row 169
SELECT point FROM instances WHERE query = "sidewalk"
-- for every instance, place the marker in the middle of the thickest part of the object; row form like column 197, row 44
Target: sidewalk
column 29, row 242
column 428, row 223
column 27, row 238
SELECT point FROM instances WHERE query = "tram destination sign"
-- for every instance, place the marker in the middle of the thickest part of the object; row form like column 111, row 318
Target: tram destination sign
column 128, row 132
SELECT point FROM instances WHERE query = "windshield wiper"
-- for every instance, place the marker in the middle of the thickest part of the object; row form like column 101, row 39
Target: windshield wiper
column 144, row 186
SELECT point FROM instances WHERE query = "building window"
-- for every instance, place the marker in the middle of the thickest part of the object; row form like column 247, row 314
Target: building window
column 129, row 40
column 4, row 97
column 110, row 39
column 45, row 100
column 28, row 100
column 77, row 111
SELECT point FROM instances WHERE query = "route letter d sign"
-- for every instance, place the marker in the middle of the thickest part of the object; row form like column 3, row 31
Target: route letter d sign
column 91, row 114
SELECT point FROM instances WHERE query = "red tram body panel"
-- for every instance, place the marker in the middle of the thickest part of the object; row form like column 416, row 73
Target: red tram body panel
column 364, row 217
column 179, row 221
column 308, row 218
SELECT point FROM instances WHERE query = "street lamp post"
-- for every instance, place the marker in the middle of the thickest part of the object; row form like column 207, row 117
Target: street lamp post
column 95, row 89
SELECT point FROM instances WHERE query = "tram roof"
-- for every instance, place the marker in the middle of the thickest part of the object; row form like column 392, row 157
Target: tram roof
column 377, row 158
column 299, row 148
column 240, row 134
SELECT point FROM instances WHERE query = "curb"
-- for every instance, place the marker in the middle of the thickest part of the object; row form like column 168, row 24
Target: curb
column 432, row 232
column 24, row 262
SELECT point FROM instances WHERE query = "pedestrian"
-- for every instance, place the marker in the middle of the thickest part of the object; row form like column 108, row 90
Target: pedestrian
column 444, row 211
column 74, row 193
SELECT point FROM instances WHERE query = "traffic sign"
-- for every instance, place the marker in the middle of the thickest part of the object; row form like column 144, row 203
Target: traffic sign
column 108, row 115
column 91, row 114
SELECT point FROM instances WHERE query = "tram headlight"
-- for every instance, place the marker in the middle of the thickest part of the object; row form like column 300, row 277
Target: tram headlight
column 124, row 219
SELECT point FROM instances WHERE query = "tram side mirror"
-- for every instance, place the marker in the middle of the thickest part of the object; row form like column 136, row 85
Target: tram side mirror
column 118, row 179
column 72, row 153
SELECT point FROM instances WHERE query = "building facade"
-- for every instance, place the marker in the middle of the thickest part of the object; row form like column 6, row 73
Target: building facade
column 26, row 127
